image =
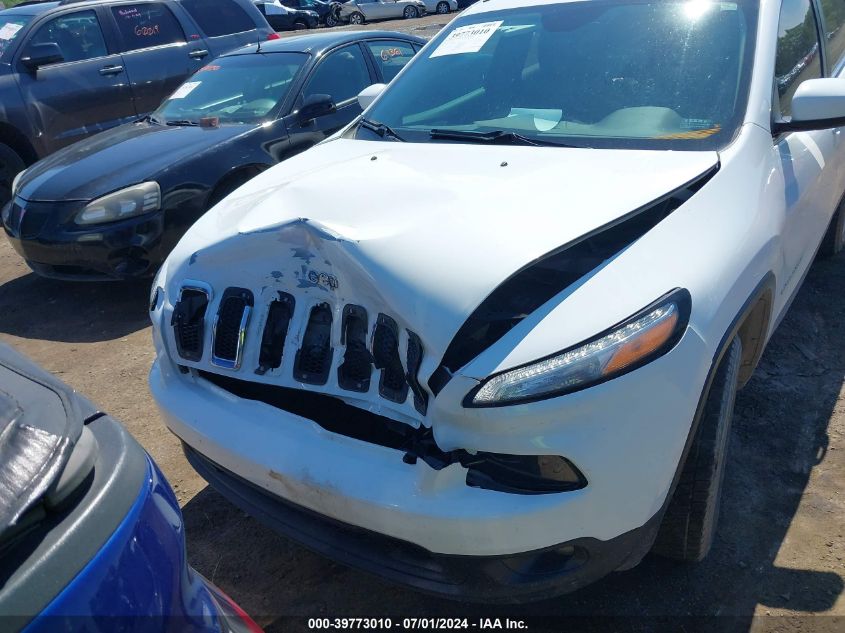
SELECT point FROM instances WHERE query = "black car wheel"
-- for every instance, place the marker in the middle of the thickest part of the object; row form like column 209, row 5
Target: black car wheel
column 834, row 239
column 10, row 166
column 356, row 18
column 410, row 13
column 442, row 8
column 331, row 20
column 687, row 530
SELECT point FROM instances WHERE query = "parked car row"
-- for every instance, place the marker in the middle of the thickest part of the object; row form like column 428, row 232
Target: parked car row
column 537, row 369
column 234, row 118
column 71, row 69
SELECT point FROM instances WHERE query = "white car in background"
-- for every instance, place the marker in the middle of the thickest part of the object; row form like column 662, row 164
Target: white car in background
column 360, row 11
column 505, row 379
column 441, row 6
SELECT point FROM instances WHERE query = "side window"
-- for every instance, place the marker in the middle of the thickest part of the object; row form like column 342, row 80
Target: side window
column 78, row 36
column 833, row 17
column 391, row 56
column 146, row 25
column 342, row 75
column 222, row 17
column 797, row 55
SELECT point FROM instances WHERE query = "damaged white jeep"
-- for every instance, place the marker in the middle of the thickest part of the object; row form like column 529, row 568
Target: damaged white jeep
column 486, row 341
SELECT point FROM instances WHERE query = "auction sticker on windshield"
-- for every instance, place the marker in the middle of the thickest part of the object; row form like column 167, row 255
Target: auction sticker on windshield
column 185, row 89
column 466, row 39
column 8, row 31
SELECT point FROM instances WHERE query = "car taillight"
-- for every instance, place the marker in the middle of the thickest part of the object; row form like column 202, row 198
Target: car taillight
column 274, row 36
column 236, row 619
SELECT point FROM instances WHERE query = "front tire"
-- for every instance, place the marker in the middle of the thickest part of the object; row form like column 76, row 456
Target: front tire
column 331, row 21
column 356, row 18
column 442, row 8
column 689, row 524
column 834, row 239
column 10, row 166
column 410, row 13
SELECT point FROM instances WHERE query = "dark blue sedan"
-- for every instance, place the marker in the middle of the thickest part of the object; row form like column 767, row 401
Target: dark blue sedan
column 113, row 206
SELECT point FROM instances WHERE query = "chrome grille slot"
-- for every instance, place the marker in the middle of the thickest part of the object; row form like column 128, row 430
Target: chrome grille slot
column 279, row 315
column 354, row 373
column 314, row 358
column 230, row 327
column 392, row 384
column 413, row 362
column 188, row 322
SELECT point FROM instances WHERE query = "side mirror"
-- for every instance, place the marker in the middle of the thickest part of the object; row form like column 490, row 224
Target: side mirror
column 316, row 106
column 369, row 94
column 44, row 54
column 816, row 105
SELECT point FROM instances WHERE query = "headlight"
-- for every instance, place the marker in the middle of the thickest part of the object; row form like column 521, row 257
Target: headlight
column 134, row 200
column 638, row 340
column 15, row 183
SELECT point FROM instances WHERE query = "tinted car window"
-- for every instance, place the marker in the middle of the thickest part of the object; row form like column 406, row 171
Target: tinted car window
column 611, row 74
column 391, row 56
column 146, row 25
column 236, row 89
column 342, row 75
column 10, row 27
column 78, row 35
column 797, row 50
column 221, row 17
column 833, row 14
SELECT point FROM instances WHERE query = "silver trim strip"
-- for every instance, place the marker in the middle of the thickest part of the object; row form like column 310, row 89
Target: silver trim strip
column 225, row 363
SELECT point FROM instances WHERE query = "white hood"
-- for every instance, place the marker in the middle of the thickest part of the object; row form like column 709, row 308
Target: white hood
column 425, row 230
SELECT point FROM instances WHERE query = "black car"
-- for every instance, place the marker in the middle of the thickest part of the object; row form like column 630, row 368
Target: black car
column 70, row 69
column 325, row 10
column 113, row 206
column 283, row 18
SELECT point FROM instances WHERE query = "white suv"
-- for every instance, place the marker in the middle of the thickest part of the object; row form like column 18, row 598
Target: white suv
column 486, row 341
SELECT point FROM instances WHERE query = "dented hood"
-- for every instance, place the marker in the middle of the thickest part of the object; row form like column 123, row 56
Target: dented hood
column 423, row 231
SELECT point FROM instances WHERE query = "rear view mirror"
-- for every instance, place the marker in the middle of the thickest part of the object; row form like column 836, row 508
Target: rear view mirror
column 315, row 106
column 816, row 105
column 43, row 54
column 369, row 94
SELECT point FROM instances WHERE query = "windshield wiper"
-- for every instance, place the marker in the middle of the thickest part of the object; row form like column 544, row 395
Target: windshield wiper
column 494, row 137
column 149, row 118
column 183, row 122
column 380, row 128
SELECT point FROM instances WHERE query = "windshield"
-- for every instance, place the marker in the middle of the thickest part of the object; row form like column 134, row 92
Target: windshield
column 236, row 89
column 599, row 74
column 10, row 26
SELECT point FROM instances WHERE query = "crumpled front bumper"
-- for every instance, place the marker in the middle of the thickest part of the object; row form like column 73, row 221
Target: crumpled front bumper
column 626, row 436
column 523, row 577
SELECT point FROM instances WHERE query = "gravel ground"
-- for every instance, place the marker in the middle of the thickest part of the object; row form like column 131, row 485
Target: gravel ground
column 779, row 551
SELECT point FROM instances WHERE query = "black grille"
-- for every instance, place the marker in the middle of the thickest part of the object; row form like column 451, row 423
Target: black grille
column 354, row 373
column 232, row 315
column 188, row 323
column 275, row 332
column 414, row 360
column 314, row 358
column 392, row 384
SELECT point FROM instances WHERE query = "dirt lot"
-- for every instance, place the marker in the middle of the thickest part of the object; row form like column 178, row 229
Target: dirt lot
column 779, row 552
